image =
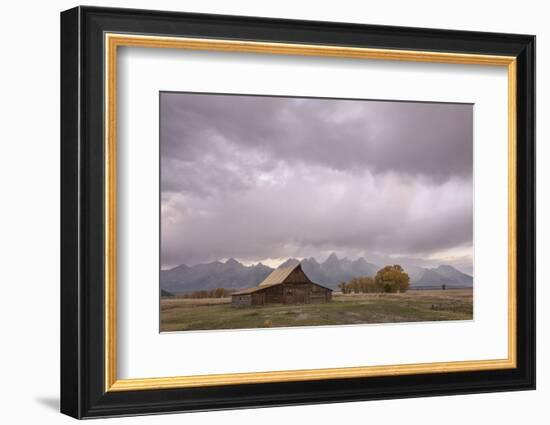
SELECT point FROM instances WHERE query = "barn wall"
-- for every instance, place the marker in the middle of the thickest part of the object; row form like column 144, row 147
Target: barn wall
column 273, row 295
column 319, row 294
column 241, row 300
column 286, row 293
column 305, row 293
column 296, row 293
column 258, row 298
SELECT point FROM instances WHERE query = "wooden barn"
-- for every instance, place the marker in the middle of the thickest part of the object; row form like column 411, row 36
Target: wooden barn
column 288, row 285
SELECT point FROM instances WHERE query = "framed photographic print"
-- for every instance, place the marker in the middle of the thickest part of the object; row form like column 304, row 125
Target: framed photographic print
column 261, row 212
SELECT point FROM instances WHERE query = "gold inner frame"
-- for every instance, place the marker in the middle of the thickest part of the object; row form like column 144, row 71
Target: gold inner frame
column 113, row 41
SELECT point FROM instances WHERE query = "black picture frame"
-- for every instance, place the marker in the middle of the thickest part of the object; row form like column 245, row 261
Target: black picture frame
column 83, row 392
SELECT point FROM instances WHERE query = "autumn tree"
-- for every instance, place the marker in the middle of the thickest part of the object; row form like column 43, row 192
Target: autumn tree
column 355, row 285
column 392, row 279
column 218, row 293
column 343, row 287
column 368, row 284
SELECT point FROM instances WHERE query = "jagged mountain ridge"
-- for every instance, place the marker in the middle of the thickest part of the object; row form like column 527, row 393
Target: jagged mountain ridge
column 334, row 270
column 234, row 275
column 229, row 275
column 445, row 274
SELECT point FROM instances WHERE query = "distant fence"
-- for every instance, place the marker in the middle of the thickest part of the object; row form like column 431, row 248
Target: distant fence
column 432, row 287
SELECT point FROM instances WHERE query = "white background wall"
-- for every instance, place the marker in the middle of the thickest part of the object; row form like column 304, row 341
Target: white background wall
column 29, row 214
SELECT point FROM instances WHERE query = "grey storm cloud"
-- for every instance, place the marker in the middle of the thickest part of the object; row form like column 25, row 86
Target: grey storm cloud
column 256, row 177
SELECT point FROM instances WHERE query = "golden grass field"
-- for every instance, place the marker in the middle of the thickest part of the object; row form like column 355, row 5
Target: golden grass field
column 182, row 314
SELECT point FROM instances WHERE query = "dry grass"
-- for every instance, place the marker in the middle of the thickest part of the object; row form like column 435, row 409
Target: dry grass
column 178, row 314
column 178, row 301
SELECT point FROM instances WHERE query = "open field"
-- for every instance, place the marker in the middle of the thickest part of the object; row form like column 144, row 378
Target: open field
column 180, row 314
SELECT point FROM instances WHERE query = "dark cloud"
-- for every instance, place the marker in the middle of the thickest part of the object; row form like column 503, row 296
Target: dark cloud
column 266, row 177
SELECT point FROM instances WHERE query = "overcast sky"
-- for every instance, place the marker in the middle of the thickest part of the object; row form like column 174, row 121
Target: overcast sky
column 267, row 178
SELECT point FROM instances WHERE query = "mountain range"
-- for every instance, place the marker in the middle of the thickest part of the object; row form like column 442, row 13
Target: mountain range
column 231, row 274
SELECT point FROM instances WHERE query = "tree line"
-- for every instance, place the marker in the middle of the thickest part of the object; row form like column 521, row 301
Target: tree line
column 212, row 293
column 389, row 279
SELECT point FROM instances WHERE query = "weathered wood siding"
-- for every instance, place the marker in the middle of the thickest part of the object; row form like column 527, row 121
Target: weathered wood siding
column 243, row 300
column 272, row 295
column 297, row 276
column 305, row 293
column 286, row 293
column 319, row 294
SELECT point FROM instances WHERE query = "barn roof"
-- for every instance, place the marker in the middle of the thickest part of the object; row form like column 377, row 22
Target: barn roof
column 278, row 276
column 247, row 291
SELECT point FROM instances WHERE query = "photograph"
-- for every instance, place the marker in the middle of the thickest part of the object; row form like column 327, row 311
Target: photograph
column 280, row 211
